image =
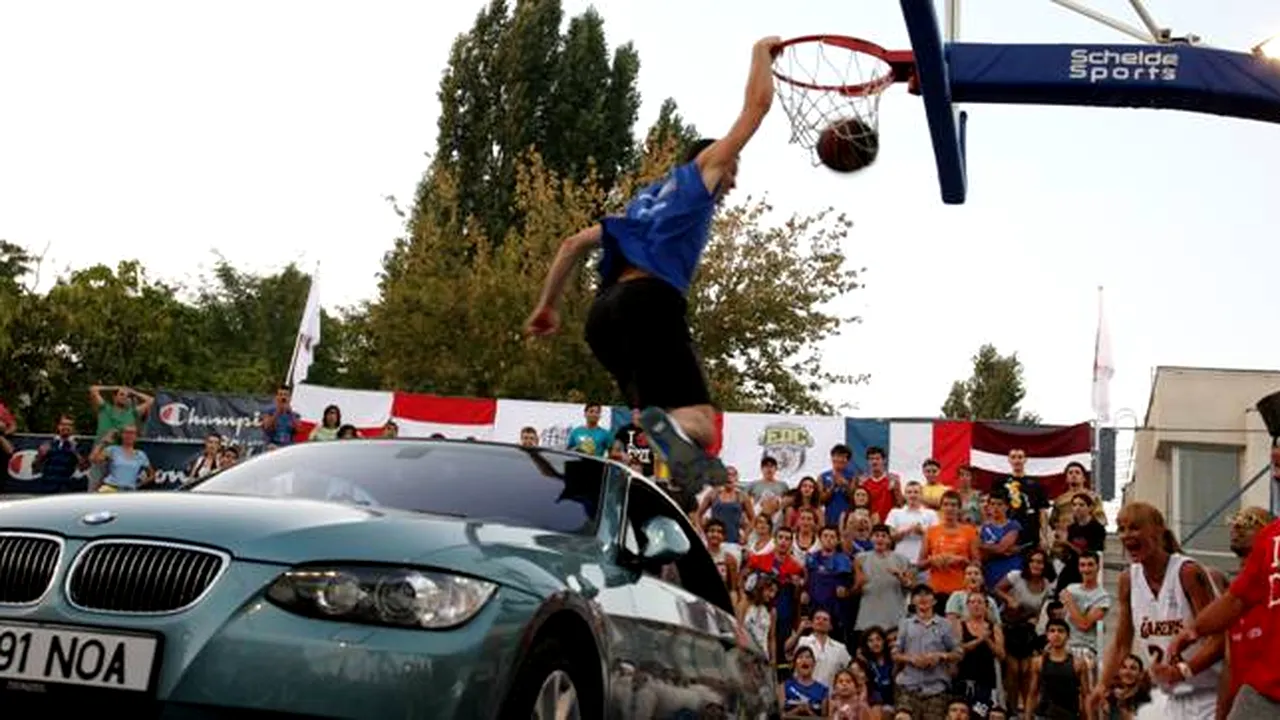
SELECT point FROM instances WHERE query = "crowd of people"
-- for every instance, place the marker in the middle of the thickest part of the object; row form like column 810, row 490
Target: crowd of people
column 878, row 597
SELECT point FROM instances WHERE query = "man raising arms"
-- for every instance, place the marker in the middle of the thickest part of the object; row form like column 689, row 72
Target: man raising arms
column 650, row 255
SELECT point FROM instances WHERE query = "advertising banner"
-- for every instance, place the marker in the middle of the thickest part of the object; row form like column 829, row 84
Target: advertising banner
column 20, row 476
column 800, row 443
column 193, row 415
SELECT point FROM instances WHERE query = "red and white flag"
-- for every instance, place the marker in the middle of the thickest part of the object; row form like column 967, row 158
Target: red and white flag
column 1048, row 453
column 420, row 415
column 416, row 414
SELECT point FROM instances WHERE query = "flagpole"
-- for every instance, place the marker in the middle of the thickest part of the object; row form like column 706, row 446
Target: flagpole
column 293, row 360
column 1097, row 430
column 1097, row 411
column 297, row 340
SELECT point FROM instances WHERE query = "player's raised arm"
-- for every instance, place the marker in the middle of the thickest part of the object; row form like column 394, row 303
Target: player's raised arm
column 720, row 159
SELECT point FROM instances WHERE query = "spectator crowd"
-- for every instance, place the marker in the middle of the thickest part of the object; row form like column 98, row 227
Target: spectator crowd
column 879, row 597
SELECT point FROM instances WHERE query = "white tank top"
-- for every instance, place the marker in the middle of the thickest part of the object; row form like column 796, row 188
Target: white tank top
column 721, row 559
column 1159, row 617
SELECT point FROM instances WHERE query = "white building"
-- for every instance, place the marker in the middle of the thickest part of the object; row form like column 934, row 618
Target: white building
column 1202, row 440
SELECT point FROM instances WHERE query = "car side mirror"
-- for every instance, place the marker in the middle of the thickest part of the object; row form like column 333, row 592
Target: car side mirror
column 665, row 541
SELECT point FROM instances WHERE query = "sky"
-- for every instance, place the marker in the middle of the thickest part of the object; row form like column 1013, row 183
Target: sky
column 275, row 132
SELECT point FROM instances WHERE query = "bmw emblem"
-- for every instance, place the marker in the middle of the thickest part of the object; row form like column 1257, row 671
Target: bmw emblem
column 102, row 517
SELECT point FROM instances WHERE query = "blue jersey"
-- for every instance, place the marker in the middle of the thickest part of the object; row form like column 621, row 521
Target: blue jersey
column 839, row 502
column 664, row 229
column 797, row 695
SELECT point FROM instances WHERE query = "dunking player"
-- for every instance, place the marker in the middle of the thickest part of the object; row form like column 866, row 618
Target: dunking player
column 637, row 326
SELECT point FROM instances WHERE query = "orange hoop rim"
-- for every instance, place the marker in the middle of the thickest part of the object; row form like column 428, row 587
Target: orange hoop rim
column 900, row 63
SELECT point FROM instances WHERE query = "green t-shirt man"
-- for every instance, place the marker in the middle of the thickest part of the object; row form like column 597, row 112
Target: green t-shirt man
column 120, row 412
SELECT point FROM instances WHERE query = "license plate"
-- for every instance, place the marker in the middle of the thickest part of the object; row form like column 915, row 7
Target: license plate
column 74, row 656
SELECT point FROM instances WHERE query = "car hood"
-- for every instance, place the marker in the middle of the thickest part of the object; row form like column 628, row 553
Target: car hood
column 290, row 531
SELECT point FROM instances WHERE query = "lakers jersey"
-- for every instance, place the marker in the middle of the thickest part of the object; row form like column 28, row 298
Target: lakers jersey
column 1159, row 616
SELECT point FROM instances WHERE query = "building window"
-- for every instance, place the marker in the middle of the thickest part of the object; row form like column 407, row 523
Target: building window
column 1204, row 478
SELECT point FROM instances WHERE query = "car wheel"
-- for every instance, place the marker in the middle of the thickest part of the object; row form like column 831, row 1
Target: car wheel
column 549, row 686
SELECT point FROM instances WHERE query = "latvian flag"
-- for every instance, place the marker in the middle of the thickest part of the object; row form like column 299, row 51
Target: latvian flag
column 985, row 447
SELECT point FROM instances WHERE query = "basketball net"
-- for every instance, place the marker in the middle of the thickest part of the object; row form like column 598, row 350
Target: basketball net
column 821, row 81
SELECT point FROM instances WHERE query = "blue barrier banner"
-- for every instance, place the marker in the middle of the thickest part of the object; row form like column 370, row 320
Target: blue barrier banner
column 20, row 476
column 1174, row 77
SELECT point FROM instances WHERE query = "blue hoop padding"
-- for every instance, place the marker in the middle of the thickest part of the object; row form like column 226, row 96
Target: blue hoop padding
column 1171, row 77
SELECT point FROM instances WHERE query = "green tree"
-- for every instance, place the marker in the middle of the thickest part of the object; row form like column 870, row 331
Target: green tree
column 251, row 321
column 670, row 127
column 514, row 83
column 994, row 391
column 101, row 325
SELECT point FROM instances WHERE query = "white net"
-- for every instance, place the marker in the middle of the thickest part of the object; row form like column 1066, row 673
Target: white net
column 824, row 82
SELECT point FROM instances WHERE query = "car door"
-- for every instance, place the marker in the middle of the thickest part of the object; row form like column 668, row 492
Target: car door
column 691, row 656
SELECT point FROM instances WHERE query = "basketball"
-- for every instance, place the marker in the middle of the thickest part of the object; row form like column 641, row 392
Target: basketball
column 848, row 145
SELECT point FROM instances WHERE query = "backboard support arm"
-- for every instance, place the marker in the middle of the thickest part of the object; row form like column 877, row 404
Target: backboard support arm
column 1150, row 32
column 1107, row 20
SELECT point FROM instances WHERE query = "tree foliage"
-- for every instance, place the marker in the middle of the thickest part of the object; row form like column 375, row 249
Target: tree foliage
column 515, row 83
column 232, row 332
column 994, row 391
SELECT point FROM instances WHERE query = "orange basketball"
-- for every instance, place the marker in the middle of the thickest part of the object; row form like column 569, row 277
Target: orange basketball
column 848, row 145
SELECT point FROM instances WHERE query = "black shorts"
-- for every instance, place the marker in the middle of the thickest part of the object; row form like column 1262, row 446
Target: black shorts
column 638, row 331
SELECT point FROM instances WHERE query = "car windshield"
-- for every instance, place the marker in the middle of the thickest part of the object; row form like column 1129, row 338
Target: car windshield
column 530, row 487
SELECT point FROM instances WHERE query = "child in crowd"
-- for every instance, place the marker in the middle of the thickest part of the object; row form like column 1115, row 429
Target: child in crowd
column 1132, row 690
column 875, row 653
column 848, row 699
column 802, row 694
column 756, row 613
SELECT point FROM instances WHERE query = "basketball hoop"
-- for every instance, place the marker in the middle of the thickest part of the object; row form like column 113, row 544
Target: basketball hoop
column 822, row 81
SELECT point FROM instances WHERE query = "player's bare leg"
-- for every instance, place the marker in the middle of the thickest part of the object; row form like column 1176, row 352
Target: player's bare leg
column 692, row 467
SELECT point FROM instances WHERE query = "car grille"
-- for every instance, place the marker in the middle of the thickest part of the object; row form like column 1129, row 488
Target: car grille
column 129, row 576
column 27, row 566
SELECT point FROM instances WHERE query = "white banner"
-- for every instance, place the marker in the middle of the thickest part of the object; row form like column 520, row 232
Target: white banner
column 552, row 420
column 800, row 443
column 361, row 408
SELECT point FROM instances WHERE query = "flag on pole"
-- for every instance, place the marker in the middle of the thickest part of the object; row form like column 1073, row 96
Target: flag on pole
column 304, row 347
column 1103, row 367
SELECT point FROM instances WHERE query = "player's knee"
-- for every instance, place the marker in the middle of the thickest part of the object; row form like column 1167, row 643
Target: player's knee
column 699, row 421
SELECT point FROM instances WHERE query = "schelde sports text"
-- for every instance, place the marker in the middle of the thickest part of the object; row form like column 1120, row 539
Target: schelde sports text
column 1121, row 65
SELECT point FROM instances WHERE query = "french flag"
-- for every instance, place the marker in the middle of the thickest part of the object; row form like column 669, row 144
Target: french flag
column 983, row 446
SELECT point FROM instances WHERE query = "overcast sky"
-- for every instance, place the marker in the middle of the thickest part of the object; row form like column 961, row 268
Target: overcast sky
column 271, row 132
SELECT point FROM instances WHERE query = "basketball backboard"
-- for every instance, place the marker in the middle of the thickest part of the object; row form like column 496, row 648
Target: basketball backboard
column 1164, row 70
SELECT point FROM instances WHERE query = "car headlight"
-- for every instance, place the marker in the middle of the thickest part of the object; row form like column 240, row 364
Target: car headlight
column 384, row 596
